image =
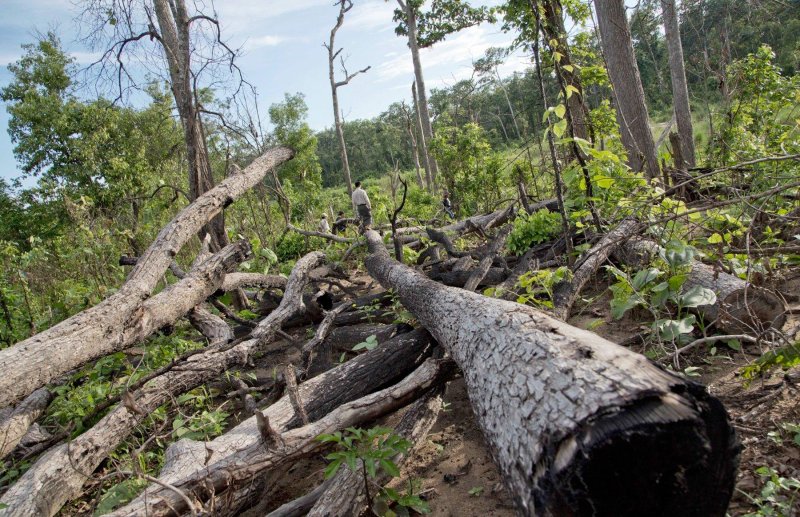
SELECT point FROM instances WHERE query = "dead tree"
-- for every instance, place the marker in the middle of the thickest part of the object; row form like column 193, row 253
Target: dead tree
column 576, row 424
column 680, row 90
column 344, row 7
column 123, row 318
column 376, row 369
column 631, row 109
column 59, row 475
column 215, row 483
column 15, row 423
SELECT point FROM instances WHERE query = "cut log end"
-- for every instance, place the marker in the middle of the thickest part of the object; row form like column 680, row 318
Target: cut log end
column 672, row 455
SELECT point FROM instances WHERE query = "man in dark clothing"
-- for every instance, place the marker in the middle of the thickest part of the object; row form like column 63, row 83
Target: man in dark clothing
column 448, row 205
column 340, row 224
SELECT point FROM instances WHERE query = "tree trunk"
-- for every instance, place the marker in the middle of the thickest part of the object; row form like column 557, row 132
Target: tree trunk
column 14, row 426
column 740, row 308
column 377, row 369
column 677, row 71
column 629, row 94
column 108, row 326
column 345, row 497
column 576, row 424
column 216, row 484
column 423, row 140
column 554, row 30
column 421, row 97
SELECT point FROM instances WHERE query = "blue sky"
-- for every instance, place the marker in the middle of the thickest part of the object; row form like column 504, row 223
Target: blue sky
column 282, row 45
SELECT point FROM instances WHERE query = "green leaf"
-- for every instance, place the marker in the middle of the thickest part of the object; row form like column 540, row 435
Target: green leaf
column 559, row 128
column 697, row 296
column 734, row 344
column 390, row 468
column 672, row 329
column 715, row 238
column 560, row 111
column 644, row 277
column 604, row 182
column 332, row 467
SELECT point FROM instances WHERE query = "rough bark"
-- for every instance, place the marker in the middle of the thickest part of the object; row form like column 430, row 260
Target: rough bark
column 238, row 280
column 345, row 496
column 677, row 71
column 211, row 326
column 741, row 308
column 493, row 276
column 422, row 141
column 103, row 329
column 300, row 506
column 213, row 483
column 576, row 424
column 624, row 74
column 14, row 425
column 565, row 294
column 479, row 273
column 59, row 475
column 422, row 96
column 377, row 369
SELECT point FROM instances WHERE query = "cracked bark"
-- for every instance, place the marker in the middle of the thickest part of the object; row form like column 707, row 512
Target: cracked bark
column 576, row 424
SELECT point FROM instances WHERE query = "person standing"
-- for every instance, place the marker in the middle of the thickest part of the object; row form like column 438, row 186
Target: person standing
column 363, row 207
column 448, row 205
column 340, row 224
column 324, row 227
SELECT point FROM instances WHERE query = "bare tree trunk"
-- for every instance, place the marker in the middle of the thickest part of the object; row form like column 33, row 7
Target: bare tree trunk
column 422, row 139
column 344, row 7
column 119, row 320
column 624, row 74
column 413, row 140
column 680, row 90
column 576, row 424
column 14, row 426
column 422, row 96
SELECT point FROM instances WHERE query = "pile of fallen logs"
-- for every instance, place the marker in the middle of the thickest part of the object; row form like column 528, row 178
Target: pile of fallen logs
column 576, row 424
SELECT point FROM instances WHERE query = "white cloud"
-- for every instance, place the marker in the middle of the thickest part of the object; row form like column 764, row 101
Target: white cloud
column 243, row 15
column 371, row 16
column 267, row 40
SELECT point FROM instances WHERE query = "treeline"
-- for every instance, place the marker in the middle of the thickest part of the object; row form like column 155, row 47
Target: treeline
column 714, row 34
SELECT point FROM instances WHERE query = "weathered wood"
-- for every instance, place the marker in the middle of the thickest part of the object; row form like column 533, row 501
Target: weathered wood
column 345, row 496
column 741, row 308
column 576, row 424
column 101, row 330
column 493, row 276
column 213, row 482
column 14, row 426
column 211, row 326
column 565, row 293
column 237, row 280
column 374, row 370
column 59, row 475
column 479, row 273
column 343, row 339
column 300, row 506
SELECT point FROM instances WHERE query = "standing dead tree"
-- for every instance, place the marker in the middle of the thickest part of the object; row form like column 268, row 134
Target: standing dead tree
column 680, row 90
column 128, row 316
column 576, row 423
column 344, row 7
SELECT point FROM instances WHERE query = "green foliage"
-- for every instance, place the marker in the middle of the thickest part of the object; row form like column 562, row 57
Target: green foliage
column 537, row 286
column 119, row 495
column 777, row 497
column 784, row 357
column 368, row 452
column 443, row 18
column 368, row 344
column 541, row 226
column 660, row 289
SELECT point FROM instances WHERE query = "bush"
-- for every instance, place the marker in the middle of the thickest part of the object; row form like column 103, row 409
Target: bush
column 532, row 229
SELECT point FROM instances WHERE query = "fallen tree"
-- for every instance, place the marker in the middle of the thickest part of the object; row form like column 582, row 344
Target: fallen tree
column 374, row 370
column 15, row 424
column 59, row 475
column 211, row 486
column 103, row 329
column 576, row 424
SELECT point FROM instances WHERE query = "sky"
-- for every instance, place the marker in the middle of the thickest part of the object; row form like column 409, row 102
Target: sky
column 281, row 43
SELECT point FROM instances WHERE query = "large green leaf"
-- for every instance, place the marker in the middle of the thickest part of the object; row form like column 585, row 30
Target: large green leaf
column 697, row 296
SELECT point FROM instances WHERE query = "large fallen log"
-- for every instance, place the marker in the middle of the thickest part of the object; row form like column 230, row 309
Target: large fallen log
column 577, row 424
column 479, row 273
column 213, row 484
column 377, row 369
column 741, row 308
column 345, row 496
column 14, row 425
column 59, row 475
column 101, row 330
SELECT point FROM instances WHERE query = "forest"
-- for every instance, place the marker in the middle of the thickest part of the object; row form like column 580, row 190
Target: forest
column 568, row 290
